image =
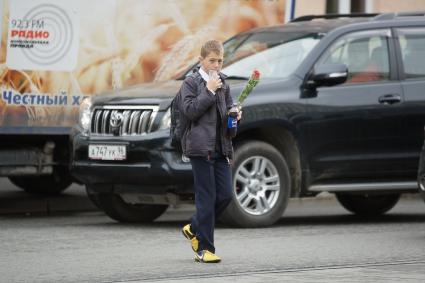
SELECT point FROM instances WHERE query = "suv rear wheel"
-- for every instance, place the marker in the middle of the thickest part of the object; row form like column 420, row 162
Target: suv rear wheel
column 261, row 186
column 368, row 205
column 116, row 208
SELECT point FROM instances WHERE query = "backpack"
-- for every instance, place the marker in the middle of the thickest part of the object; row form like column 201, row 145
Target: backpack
column 179, row 122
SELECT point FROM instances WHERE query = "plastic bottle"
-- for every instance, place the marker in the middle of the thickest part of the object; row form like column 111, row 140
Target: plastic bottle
column 232, row 121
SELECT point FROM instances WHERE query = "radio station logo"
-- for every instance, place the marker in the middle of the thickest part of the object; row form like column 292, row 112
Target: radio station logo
column 45, row 34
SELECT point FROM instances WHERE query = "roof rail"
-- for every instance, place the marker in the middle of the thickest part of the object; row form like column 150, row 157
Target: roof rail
column 332, row 16
column 391, row 16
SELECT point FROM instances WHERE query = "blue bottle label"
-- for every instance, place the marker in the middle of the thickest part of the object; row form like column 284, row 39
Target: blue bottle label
column 232, row 122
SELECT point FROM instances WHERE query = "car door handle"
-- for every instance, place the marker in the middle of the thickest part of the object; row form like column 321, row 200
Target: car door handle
column 389, row 99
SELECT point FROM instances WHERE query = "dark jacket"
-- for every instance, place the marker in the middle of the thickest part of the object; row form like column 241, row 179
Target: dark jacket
column 200, row 107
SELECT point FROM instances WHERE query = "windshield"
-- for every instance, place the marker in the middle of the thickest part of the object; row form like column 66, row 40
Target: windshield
column 274, row 54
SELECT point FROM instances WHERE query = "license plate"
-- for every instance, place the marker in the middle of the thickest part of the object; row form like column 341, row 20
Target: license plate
column 107, row 152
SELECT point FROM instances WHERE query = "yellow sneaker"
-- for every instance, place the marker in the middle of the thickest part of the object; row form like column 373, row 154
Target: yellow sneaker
column 207, row 257
column 191, row 237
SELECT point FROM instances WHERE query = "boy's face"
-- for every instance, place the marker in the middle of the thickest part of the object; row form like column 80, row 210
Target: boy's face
column 212, row 62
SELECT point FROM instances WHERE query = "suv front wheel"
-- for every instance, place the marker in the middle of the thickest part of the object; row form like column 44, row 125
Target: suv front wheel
column 116, row 208
column 366, row 204
column 261, row 186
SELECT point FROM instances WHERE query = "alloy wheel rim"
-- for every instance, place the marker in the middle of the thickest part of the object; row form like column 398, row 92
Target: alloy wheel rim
column 257, row 185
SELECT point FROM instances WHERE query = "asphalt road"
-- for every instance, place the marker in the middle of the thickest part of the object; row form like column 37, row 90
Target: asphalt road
column 315, row 241
column 15, row 201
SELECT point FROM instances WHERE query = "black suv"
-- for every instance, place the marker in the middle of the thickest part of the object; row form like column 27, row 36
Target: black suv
column 340, row 108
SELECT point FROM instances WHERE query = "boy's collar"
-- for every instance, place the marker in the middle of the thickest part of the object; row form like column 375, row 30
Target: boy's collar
column 203, row 74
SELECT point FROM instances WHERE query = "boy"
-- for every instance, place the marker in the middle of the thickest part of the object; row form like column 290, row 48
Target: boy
column 205, row 102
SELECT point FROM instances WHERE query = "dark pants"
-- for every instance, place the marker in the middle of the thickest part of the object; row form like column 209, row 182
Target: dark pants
column 213, row 192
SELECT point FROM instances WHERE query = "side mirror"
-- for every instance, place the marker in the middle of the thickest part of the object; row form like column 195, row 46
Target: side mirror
column 329, row 75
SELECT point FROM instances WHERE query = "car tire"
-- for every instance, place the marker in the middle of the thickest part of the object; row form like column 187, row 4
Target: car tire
column 252, row 194
column 52, row 184
column 366, row 204
column 116, row 208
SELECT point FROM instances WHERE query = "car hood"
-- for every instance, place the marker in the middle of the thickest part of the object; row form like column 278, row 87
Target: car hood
column 157, row 93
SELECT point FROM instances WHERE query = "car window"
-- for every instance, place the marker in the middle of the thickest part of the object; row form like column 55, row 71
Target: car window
column 274, row 54
column 364, row 53
column 412, row 45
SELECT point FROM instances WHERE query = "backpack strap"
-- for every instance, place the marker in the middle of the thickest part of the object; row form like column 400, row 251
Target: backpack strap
column 178, row 122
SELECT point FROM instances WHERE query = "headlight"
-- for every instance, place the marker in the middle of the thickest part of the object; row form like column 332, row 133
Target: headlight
column 85, row 114
column 166, row 120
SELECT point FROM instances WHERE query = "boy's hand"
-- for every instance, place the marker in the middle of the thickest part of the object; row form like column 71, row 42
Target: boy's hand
column 214, row 83
column 239, row 115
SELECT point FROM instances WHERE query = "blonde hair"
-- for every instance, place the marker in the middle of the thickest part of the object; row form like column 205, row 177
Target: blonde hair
column 211, row 46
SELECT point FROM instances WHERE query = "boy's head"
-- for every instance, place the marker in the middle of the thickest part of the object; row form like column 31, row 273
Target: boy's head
column 211, row 56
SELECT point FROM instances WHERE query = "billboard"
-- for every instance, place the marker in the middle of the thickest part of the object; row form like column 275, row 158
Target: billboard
column 54, row 52
column 43, row 35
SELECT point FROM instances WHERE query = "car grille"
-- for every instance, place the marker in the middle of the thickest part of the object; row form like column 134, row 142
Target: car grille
column 136, row 120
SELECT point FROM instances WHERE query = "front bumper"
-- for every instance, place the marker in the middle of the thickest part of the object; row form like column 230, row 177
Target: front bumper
column 151, row 166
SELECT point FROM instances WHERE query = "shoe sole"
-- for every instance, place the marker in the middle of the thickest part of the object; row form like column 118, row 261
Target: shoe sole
column 212, row 261
column 189, row 237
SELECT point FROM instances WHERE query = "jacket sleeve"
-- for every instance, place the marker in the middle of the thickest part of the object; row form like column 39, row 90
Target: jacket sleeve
column 194, row 104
